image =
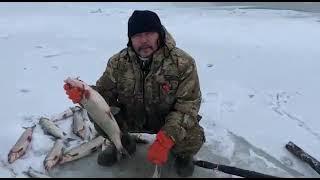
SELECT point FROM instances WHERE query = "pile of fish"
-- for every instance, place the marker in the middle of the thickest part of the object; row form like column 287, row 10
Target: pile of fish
column 92, row 104
column 59, row 153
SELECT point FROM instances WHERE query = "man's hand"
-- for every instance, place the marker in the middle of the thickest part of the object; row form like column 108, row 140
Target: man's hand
column 74, row 93
column 159, row 150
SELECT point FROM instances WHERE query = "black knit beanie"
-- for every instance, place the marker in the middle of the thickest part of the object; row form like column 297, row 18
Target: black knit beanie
column 145, row 21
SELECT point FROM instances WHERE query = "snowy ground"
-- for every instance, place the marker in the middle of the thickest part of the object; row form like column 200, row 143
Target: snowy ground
column 258, row 70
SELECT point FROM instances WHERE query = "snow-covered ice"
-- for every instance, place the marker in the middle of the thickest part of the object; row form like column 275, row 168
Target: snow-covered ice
column 258, row 70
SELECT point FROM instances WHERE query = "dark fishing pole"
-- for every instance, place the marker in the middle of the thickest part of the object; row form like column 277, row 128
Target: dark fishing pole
column 232, row 170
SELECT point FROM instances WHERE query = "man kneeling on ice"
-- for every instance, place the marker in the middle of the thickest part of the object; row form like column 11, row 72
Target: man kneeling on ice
column 155, row 84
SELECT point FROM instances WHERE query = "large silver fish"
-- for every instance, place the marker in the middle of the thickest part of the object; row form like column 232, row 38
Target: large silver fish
column 100, row 112
column 78, row 125
column 82, row 150
column 51, row 128
column 54, row 155
column 21, row 146
column 35, row 174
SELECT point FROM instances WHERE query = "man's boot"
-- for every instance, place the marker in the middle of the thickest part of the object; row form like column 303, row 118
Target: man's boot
column 108, row 157
column 184, row 166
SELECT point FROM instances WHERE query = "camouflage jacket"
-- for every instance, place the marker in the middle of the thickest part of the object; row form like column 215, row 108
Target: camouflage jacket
column 167, row 97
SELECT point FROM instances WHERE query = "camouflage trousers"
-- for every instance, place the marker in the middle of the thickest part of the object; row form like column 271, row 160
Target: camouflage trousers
column 188, row 147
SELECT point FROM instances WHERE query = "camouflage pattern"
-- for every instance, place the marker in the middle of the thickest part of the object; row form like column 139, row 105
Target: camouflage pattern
column 168, row 97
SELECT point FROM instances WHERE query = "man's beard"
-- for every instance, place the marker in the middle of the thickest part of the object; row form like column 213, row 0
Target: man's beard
column 145, row 47
column 142, row 48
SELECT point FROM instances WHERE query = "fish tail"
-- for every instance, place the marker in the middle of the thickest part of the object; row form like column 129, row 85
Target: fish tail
column 122, row 153
column 32, row 126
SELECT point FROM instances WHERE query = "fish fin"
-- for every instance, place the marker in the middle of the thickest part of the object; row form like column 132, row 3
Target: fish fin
column 78, row 107
column 90, row 129
column 75, row 108
column 81, row 105
column 70, row 139
column 26, row 173
column 67, row 141
column 114, row 110
column 76, row 154
column 94, row 149
column 52, row 138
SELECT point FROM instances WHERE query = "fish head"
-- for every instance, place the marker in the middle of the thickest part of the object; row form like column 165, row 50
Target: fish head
column 43, row 120
column 49, row 164
column 12, row 156
column 76, row 82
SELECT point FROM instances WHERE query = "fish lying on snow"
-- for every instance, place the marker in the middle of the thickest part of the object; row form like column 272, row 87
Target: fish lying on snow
column 21, row 146
column 82, row 150
column 51, row 128
column 100, row 112
column 54, row 156
column 67, row 113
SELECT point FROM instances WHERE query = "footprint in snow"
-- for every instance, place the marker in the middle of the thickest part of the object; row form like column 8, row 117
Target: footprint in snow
column 39, row 47
column 286, row 161
column 210, row 97
column 24, row 90
column 55, row 67
column 4, row 36
column 228, row 106
column 251, row 95
column 96, row 11
column 52, row 55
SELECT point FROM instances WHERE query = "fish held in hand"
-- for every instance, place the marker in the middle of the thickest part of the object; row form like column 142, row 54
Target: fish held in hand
column 100, row 112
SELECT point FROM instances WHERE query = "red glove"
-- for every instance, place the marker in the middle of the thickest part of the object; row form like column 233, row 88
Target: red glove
column 159, row 150
column 74, row 93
